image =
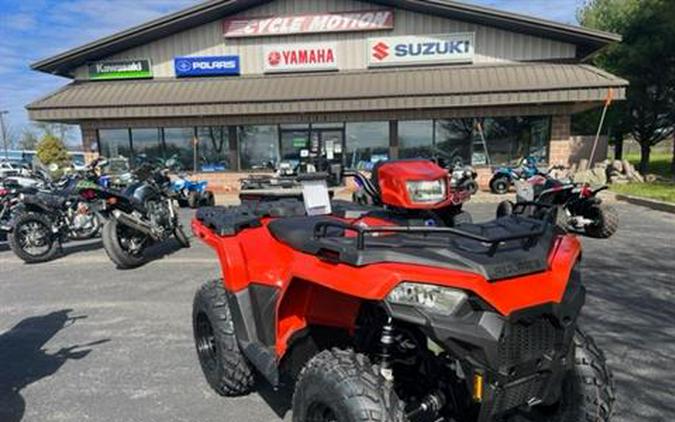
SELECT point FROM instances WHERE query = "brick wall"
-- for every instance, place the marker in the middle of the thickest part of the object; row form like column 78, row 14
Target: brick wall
column 561, row 146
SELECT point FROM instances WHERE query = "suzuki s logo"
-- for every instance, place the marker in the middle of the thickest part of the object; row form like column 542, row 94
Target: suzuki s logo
column 274, row 58
column 380, row 51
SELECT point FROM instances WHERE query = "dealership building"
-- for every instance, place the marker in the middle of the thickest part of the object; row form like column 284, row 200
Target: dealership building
column 236, row 86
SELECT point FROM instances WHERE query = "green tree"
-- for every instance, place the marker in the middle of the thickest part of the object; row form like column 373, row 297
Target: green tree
column 646, row 58
column 52, row 150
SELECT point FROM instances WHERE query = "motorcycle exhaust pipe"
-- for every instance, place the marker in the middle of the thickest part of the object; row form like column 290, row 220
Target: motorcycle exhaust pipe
column 134, row 223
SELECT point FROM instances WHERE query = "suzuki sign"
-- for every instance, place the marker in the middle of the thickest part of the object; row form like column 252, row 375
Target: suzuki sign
column 305, row 57
column 363, row 20
column 421, row 49
column 206, row 66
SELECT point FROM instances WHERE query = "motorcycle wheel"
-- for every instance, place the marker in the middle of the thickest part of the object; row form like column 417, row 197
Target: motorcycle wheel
column 500, row 185
column 181, row 236
column 116, row 239
column 32, row 239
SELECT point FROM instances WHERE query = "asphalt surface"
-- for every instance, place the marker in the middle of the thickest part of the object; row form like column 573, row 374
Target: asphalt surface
column 82, row 341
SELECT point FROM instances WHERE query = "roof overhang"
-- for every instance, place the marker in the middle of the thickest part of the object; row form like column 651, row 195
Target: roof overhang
column 586, row 40
column 365, row 91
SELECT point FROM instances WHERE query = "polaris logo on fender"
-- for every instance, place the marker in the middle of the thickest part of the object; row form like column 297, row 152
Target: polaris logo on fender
column 408, row 50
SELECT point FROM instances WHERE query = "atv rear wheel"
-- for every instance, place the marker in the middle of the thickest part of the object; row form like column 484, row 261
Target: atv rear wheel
column 341, row 385
column 605, row 221
column 500, row 185
column 588, row 389
column 224, row 365
column 193, row 199
column 505, row 208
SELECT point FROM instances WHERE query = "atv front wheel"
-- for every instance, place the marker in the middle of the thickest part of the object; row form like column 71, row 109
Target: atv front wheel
column 588, row 389
column 341, row 385
column 500, row 185
column 224, row 365
column 193, row 199
column 605, row 221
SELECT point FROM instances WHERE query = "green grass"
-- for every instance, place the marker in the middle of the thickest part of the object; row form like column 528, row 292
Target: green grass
column 659, row 162
column 662, row 191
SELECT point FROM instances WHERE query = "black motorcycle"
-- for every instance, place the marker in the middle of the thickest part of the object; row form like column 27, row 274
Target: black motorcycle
column 38, row 221
column 143, row 214
column 579, row 208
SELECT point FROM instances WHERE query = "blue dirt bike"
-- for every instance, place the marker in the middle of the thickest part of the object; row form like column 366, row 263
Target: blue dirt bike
column 192, row 193
column 504, row 177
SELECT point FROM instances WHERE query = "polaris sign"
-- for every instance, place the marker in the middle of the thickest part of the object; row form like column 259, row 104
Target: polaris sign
column 421, row 49
column 207, row 66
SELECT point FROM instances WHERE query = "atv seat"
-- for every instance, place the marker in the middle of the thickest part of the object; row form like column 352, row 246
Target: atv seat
column 511, row 258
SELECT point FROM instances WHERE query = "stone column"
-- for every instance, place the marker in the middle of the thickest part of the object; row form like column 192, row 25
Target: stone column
column 560, row 148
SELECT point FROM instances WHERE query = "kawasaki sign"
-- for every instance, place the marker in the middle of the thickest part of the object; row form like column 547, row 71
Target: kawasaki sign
column 421, row 49
column 120, row 69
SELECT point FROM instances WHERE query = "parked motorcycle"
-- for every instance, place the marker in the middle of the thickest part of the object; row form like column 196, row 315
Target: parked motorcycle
column 38, row 222
column 141, row 215
column 504, row 177
column 579, row 208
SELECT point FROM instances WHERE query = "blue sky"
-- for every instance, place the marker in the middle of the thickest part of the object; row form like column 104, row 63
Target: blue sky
column 34, row 29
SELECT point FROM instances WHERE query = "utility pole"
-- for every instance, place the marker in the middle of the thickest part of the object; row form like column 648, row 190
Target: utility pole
column 4, row 133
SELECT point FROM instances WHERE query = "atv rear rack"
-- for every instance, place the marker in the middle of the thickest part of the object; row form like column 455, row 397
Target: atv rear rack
column 537, row 229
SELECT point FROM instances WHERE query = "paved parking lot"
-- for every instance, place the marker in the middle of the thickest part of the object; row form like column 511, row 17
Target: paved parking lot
column 81, row 341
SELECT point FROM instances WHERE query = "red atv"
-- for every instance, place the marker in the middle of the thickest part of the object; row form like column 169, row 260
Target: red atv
column 386, row 314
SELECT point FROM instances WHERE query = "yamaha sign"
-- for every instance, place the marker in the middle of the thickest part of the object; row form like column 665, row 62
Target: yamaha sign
column 422, row 49
column 207, row 66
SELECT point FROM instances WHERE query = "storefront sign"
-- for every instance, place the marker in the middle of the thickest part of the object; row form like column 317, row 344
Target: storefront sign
column 429, row 49
column 207, row 66
column 365, row 20
column 306, row 57
column 120, row 69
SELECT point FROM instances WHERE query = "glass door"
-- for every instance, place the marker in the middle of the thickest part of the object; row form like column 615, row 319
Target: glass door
column 331, row 142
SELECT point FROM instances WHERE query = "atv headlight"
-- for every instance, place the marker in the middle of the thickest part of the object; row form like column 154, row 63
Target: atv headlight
column 436, row 299
column 426, row 190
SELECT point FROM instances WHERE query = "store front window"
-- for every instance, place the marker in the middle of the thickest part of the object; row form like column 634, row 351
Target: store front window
column 453, row 140
column 367, row 143
column 213, row 149
column 509, row 139
column 258, row 147
column 178, row 147
column 416, row 139
column 147, row 145
column 114, row 143
column 294, row 142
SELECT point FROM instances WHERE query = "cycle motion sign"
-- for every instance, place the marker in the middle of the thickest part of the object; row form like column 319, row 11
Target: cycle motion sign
column 363, row 20
column 120, row 69
column 424, row 49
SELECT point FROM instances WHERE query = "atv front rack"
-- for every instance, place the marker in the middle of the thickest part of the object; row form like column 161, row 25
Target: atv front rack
column 536, row 229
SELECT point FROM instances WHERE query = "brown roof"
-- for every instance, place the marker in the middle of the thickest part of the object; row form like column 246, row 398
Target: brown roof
column 412, row 88
column 587, row 40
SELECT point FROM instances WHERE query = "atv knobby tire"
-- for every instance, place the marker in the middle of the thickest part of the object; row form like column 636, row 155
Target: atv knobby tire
column 606, row 221
column 111, row 243
column 193, row 199
column 504, row 209
column 46, row 224
column 341, row 385
column 500, row 185
column 224, row 365
column 588, row 390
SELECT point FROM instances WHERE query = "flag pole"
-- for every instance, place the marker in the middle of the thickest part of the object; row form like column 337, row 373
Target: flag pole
column 608, row 101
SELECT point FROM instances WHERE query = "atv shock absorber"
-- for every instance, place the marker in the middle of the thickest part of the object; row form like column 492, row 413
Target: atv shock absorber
column 430, row 405
column 386, row 343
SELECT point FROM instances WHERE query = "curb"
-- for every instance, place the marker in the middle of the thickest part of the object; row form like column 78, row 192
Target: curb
column 649, row 203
